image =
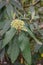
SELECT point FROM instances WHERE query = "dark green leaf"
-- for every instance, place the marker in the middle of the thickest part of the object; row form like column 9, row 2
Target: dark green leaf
column 8, row 36
column 25, row 48
column 13, row 50
column 33, row 36
column 2, row 24
column 6, row 26
column 27, row 54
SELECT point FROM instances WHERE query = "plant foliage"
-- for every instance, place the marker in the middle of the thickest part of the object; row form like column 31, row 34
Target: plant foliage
column 16, row 38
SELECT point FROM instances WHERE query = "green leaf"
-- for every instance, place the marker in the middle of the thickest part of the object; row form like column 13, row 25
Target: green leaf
column 2, row 24
column 27, row 54
column 13, row 50
column 32, row 35
column 22, row 41
column 25, row 48
column 6, row 26
column 10, row 11
column 8, row 36
column 16, row 4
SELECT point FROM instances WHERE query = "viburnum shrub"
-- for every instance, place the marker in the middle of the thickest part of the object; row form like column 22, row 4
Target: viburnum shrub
column 20, row 34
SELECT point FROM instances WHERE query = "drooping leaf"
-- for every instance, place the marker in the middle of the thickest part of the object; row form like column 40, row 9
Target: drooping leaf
column 27, row 54
column 25, row 48
column 13, row 50
column 8, row 36
column 33, row 36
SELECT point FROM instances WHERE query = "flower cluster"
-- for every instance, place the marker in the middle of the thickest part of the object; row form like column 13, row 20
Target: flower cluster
column 18, row 24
